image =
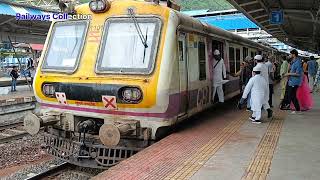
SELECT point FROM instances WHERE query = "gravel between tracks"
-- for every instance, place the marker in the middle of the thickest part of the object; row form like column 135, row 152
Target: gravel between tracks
column 32, row 170
column 71, row 173
column 21, row 152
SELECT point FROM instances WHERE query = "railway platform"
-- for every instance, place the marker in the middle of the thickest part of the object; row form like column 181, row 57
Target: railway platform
column 6, row 81
column 14, row 105
column 222, row 144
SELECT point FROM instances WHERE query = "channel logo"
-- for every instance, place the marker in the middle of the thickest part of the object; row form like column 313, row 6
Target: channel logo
column 53, row 16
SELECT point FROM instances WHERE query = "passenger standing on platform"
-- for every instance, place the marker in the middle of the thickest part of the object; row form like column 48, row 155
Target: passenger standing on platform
column 14, row 76
column 312, row 72
column 294, row 81
column 257, row 87
column 304, row 96
column 305, row 66
column 245, row 74
column 219, row 73
column 284, row 70
column 269, row 64
column 264, row 73
column 317, row 79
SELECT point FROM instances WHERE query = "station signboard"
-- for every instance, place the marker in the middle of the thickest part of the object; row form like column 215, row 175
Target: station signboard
column 276, row 17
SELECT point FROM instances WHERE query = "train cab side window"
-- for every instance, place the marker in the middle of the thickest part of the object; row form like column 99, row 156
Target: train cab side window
column 218, row 45
column 252, row 54
column 238, row 60
column 232, row 60
column 202, row 60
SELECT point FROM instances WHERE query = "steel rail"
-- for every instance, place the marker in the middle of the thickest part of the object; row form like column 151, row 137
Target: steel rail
column 10, row 125
column 13, row 137
column 52, row 171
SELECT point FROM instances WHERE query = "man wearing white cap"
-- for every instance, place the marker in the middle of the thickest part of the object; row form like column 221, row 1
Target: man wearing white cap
column 219, row 72
column 265, row 74
column 258, row 87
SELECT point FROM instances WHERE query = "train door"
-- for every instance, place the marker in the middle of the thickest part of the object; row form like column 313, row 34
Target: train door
column 183, row 73
column 219, row 46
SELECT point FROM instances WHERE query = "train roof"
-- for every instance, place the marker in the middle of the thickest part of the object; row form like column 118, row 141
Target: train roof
column 193, row 24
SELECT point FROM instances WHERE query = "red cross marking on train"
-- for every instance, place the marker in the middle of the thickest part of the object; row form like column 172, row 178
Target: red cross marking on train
column 109, row 102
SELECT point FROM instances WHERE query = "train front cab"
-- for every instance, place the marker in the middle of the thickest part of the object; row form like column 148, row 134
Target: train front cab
column 98, row 111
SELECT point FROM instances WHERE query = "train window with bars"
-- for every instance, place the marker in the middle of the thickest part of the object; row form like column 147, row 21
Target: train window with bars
column 124, row 50
column 202, row 60
column 65, row 46
column 232, row 60
column 180, row 50
column 245, row 52
column 237, row 60
column 218, row 45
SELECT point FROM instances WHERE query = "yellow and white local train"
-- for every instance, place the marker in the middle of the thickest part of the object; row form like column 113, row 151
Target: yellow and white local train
column 109, row 85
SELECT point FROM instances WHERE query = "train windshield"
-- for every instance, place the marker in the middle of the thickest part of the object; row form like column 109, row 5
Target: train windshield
column 65, row 46
column 129, row 45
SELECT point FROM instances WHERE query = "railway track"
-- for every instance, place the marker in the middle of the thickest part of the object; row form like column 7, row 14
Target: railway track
column 12, row 131
column 52, row 172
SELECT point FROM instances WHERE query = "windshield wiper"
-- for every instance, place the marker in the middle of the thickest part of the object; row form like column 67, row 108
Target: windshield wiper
column 137, row 26
column 145, row 48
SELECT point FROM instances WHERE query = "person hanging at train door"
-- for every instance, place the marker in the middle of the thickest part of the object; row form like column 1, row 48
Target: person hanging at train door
column 219, row 73
column 264, row 73
column 257, row 87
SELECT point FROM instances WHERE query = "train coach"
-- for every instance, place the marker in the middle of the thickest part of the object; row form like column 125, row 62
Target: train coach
column 110, row 85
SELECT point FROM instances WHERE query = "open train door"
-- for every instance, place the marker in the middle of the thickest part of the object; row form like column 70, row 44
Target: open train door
column 183, row 74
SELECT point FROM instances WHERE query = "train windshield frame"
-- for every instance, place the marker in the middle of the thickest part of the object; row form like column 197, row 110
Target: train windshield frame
column 65, row 46
column 125, row 50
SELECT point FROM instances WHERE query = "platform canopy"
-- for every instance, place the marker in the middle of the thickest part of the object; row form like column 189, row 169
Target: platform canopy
column 301, row 20
column 22, row 31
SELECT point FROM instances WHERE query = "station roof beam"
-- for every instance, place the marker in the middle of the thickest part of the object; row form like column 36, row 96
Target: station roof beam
column 301, row 19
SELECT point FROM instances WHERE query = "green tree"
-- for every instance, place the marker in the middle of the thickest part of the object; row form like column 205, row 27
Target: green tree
column 205, row 4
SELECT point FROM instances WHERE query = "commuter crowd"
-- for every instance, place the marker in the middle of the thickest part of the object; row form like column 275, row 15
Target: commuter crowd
column 299, row 78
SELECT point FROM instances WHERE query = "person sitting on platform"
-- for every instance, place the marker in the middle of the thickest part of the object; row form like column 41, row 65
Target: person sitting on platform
column 258, row 88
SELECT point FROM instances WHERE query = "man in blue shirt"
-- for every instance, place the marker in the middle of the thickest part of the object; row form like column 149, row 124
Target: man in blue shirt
column 294, row 81
column 312, row 71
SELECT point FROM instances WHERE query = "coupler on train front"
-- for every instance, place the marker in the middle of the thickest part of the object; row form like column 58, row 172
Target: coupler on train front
column 88, row 142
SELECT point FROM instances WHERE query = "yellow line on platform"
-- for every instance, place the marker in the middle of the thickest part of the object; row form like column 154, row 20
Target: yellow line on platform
column 196, row 161
column 260, row 164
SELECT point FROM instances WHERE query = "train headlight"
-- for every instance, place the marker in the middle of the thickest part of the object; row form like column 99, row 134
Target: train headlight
column 48, row 90
column 99, row 6
column 131, row 94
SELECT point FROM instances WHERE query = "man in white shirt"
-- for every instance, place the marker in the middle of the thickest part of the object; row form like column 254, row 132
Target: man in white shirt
column 264, row 73
column 257, row 87
column 219, row 73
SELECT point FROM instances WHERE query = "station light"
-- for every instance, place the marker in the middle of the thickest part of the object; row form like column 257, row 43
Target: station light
column 99, row 6
column 131, row 94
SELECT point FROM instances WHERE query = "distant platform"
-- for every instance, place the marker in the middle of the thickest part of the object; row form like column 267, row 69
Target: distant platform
column 22, row 95
column 6, row 81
